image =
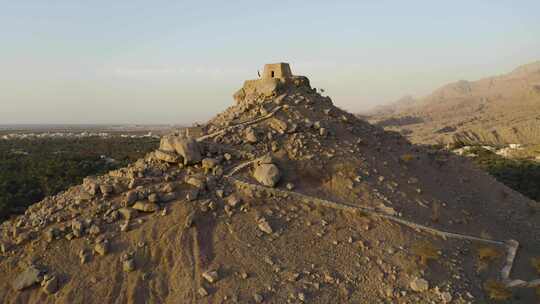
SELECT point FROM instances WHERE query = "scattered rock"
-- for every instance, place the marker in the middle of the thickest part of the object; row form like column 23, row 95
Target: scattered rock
column 128, row 265
column 251, row 136
column 84, row 256
column 128, row 213
column 131, row 197
column 84, row 197
column 233, row 200
column 77, row 228
column 4, row 248
column 446, row 297
column 50, row 235
column 265, row 226
column 50, row 285
column 153, row 198
column 190, row 218
column 196, row 181
column 144, row 206
column 27, row 278
column 202, row 292
column 209, row 163
column 419, row 285
column 258, row 298
column 166, row 156
column 102, row 248
column 189, row 149
column 91, row 187
column 192, row 195
column 267, row 174
column 94, row 230
column 211, row 276
column 279, row 125
column 167, row 197
column 168, row 188
column 106, row 189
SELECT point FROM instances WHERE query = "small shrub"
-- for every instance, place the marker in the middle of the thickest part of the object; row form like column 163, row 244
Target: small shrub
column 435, row 212
column 485, row 256
column 488, row 254
column 522, row 175
column 407, row 158
column 425, row 251
column 496, row 290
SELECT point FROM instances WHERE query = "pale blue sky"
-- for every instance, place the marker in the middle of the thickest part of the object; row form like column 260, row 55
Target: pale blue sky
column 177, row 62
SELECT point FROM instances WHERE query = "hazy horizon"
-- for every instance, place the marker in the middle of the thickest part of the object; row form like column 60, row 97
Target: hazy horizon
column 70, row 62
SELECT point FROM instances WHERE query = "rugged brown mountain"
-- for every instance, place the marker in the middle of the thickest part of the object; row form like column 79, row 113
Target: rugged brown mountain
column 283, row 198
column 495, row 110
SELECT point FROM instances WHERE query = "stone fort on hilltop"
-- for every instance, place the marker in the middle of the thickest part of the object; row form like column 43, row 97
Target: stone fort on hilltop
column 275, row 77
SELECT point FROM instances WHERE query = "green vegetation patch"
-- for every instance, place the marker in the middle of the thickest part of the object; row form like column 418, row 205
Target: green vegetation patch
column 522, row 175
column 31, row 169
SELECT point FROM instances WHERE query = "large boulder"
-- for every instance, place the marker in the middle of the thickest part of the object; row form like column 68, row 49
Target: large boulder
column 267, row 174
column 166, row 156
column 167, row 143
column 145, row 206
column 172, row 145
column 189, row 149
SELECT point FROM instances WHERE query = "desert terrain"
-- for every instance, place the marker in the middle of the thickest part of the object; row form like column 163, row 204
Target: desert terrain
column 497, row 110
column 281, row 198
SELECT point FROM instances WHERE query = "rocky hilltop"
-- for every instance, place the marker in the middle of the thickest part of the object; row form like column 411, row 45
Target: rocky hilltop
column 282, row 198
column 496, row 110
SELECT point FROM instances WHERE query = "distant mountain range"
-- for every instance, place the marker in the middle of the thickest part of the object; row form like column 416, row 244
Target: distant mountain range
column 495, row 110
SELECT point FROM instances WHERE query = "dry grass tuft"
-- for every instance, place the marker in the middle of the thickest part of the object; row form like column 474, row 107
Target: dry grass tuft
column 425, row 251
column 435, row 211
column 407, row 158
column 496, row 290
column 485, row 256
column 488, row 254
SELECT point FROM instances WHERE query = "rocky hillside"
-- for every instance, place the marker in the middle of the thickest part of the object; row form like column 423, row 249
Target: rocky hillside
column 284, row 198
column 495, row 110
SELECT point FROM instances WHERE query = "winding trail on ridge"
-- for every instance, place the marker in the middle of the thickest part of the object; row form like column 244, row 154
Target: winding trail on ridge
column 511, row 246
